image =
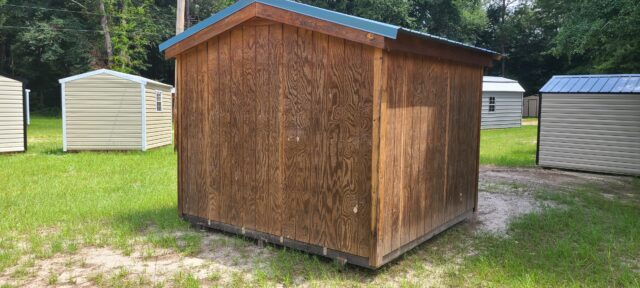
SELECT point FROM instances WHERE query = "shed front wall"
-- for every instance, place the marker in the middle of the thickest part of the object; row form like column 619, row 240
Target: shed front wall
column 508, row 110
column 276, row 134
column 11, row 116
column 429, row 149
column 591, row 132
column 159, row 123
column 103, row 112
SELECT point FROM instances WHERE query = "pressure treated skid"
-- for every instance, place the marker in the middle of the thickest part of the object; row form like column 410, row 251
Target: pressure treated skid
column 324, row 144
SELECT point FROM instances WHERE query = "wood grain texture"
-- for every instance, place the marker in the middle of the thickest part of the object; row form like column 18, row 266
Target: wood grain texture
column 263, row 128
column 237, row 111
column 248, row 127
column 428, row 169
column 213, row 131
column 225, row 133
column 320, row 140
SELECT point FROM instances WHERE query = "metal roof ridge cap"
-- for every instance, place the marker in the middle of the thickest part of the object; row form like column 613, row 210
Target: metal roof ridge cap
column 282, row 4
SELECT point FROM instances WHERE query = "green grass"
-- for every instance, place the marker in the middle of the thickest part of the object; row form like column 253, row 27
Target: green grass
column 53, row 202
column 509, row 147
column 583, row 240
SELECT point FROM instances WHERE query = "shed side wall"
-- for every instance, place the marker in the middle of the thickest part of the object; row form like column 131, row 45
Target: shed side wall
column 592, row 132
column 275, row 134
column 159, row 129
column 429, row 155
column 103, row 113
column 11, row 116
column 508, row 110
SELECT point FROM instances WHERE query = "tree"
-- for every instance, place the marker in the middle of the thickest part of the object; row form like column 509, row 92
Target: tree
column 597, row 36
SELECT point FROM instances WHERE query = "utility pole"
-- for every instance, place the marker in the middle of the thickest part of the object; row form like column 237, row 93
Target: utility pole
column 180, row 16
column 179, row 29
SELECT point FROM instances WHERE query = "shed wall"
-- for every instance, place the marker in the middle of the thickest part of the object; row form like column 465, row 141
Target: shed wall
column 276, row 132
column 592, row 132
column 508, row 110
column 103, row 112
column 159, row 123
column 530, row 106
column 429, row 154
column 11, row 116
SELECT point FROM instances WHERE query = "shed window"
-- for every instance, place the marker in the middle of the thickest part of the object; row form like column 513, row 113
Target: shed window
column 158, row 101
column 492, row 104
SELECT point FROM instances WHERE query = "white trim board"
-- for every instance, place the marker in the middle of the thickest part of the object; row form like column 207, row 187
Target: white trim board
column 64, row 118
column 126, row 76
column 143, row 92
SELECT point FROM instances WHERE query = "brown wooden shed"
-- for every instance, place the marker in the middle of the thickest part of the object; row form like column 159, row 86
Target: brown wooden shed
column 329, row 133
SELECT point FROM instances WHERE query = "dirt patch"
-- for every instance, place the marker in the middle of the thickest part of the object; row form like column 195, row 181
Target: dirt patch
column 221, row 258
column 505, row 193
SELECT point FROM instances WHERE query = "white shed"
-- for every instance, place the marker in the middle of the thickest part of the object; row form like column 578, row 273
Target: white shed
column 13, row 132
column 109, row 110
column 501, row 103
column 590, row 123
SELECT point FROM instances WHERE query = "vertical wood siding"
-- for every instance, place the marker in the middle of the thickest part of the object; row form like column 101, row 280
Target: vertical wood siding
column 592, row 132
column 508, row 111
column 275, row 134
column 429, row 153
column 11, row 116
column 158, row 123
column 103, row 113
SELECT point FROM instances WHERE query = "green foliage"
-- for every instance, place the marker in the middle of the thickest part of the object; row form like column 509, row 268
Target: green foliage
column 602, row 36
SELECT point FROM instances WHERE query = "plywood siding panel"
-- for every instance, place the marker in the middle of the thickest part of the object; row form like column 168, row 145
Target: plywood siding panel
column 295, row 135
column 116, row 121
column 429, row 155
column 11, row 116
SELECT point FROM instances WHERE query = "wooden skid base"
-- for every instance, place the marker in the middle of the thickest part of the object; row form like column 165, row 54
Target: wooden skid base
column 319, row 250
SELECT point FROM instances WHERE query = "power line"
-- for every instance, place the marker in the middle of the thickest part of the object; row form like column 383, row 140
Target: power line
column 69, row 11
column 56, row 29
column 69, row 29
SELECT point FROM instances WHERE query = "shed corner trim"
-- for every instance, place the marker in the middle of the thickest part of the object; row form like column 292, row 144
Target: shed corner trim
column 143, row 117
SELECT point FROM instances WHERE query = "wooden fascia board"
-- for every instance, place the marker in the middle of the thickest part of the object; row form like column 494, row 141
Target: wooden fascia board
column 302, row 21
column 415, row 45
column 220, row 27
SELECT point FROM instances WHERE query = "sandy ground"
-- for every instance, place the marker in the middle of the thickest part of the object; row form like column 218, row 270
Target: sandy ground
column 504, row 194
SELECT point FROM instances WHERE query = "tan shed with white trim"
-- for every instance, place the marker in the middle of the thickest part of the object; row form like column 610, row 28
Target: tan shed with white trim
column 102, row 110
column 12, row 116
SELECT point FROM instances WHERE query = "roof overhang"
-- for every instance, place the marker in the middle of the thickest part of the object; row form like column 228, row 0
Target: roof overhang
column 361, row 30
column 121, row 75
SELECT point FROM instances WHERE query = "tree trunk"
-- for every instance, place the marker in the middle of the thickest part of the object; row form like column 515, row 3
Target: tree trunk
column 107, row 35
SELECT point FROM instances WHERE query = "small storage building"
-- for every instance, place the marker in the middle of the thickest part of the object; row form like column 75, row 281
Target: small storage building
column 530, row 106
column 501, row 103
column 325, row 132
column 109, row 110
column 591, row 123
column 13, row 117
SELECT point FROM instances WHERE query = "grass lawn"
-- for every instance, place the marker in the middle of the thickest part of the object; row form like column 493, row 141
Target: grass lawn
column 509, row 147
column 54, row 203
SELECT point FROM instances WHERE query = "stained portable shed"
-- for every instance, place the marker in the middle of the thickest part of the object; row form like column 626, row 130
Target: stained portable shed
column 591, row 123
column 13, row 121
column 109, row 110
column 333, row 134
column 501, row 102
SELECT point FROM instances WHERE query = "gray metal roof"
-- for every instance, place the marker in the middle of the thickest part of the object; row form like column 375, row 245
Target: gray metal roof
column 601, row 84
column 380, row 28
